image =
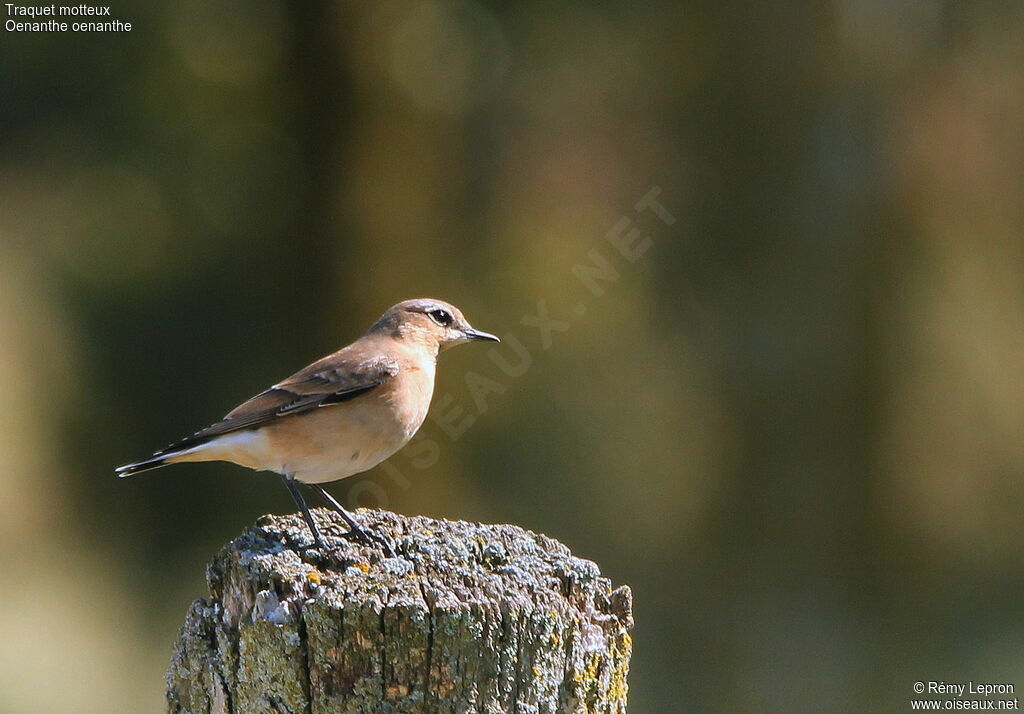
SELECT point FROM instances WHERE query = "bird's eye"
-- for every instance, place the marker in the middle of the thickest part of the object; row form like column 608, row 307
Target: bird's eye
column 441, row 317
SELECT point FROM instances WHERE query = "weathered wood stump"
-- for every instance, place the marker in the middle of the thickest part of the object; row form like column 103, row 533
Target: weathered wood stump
column 465, row 618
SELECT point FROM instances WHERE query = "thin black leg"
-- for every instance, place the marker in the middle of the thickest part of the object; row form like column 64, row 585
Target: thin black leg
column 293, row 488
column 356, row 531
column 349, row 518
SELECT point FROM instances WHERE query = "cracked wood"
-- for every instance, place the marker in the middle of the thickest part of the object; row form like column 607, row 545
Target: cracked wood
column 466, row 618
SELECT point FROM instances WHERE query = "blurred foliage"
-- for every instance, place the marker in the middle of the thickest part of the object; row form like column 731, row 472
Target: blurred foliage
column 793, row 425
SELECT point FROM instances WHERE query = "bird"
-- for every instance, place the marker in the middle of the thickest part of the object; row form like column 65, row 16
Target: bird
column 339, row 416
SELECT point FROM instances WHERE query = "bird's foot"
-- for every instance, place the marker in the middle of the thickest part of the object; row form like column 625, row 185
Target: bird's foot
column 367, row 537
column 317, row 546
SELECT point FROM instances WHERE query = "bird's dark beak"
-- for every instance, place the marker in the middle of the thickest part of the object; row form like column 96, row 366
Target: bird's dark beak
column 475, row 334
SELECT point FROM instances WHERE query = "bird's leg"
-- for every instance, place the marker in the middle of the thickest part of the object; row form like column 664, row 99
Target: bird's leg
column 293, row 488
column 349, row 518
column 356, row 532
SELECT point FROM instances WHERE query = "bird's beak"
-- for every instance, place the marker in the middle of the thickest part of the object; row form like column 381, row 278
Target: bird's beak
column 475, row 334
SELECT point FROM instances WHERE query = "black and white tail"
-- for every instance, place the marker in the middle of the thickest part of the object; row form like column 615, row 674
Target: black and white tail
column 178, row 451
column 138, row 467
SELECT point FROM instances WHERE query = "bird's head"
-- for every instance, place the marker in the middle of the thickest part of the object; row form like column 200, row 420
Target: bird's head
column 434, row 324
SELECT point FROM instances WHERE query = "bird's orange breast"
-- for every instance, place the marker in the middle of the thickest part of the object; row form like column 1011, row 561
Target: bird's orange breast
column 341, row 440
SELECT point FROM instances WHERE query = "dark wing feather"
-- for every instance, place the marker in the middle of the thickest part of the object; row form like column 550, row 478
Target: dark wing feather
column 332, row 380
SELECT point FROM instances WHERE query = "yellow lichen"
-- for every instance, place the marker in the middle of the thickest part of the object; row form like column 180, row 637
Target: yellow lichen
column 396, row 691
column 617, row 684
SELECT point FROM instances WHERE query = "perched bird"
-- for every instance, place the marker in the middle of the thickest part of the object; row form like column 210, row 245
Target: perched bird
column 341, row 415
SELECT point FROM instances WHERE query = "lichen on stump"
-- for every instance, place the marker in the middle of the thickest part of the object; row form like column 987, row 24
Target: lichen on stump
column 464, row 618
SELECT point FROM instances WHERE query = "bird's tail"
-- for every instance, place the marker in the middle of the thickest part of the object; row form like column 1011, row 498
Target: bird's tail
column 184, row 450
column 138, row 467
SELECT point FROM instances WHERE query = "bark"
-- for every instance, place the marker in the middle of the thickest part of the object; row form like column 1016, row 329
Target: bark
column 465, row 618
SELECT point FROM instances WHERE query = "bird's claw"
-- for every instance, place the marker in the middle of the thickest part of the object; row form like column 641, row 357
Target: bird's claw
column 313, row 550
column 366, row 537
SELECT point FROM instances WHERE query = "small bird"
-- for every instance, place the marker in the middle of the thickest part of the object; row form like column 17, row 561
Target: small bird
column 341, row 415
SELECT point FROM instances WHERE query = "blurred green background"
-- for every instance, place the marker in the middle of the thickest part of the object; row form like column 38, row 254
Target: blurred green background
column 793, row 424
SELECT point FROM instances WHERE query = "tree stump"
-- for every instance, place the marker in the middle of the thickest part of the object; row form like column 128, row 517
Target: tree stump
column 464, row 618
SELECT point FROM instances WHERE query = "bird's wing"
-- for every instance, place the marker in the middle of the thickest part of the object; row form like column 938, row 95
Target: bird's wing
column 332, row 380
